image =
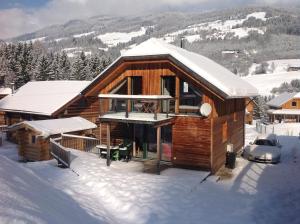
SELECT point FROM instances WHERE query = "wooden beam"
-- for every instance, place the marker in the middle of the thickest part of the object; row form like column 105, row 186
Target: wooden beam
column 108, row 144
column 159, row 150
column 177, row 94
column 134, row 143
column 129, row 91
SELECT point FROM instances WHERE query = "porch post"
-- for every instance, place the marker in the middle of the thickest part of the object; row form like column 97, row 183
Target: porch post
column 158, row 143
column 134, row 143
column 108, row 144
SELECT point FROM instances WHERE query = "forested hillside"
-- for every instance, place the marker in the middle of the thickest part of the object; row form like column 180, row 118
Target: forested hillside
column 79, row 49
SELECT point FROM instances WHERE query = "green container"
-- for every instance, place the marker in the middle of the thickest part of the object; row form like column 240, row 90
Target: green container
column 145, row 150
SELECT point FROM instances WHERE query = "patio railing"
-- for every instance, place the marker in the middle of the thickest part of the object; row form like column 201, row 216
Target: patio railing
column 81, row 143
column 60, row 153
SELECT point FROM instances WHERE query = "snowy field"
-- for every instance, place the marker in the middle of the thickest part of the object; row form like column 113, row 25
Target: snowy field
column 41, row 192
column 266, row 82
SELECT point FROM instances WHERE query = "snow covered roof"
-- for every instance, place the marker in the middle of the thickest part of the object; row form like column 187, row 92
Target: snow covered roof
column 285, row 112
column 43, row 97
column 282, row 98
column 206, row 69
column 5, row 91
column 56, row 126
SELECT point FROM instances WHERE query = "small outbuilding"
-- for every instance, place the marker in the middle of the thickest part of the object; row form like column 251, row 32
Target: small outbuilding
column 34, row 136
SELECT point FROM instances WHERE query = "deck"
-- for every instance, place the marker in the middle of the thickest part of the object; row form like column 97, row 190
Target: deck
column 137, row 118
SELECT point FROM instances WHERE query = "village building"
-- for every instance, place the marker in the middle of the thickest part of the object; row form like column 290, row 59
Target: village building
column 40, row 100
column 34, row 136
column 170, row 105
column 285, row 107
column 4, row 91
column 174, row 105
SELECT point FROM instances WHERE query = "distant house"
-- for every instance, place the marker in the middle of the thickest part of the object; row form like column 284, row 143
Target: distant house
column 285, row 107
column 33, row 136
column 294, row 68
column 4, row 91
column 249, row 111
column 173, row 105
column 41, row 100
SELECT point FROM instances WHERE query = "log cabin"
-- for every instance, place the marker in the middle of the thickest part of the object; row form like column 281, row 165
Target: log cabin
column 285, row 107
column 174, row 106
column 4, row 91
column 34, row 136
column 38, row 101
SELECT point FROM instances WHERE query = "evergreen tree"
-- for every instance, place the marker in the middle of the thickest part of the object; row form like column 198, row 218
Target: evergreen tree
column 43, row 70
column 80, row 68
column 65, row 67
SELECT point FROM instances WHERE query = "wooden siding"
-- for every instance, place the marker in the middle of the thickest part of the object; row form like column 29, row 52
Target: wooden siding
column 191, row 142
column 235, row 130
column 37, row 151
column 288, row 105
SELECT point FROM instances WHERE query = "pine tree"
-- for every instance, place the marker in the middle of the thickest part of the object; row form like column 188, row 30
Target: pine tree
column 43, row 71
column 80, row 68
column 65, row 67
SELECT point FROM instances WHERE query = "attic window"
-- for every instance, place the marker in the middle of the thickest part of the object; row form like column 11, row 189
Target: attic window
column 294, row 103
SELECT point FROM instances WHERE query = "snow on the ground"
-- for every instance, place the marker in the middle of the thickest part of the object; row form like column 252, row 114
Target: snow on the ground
column 114, row 38
column 83, row 34
column 217, row 29
column 276, row 66
column 266, row 82
column 35, row 39
column 41, row 192
column 60, row 39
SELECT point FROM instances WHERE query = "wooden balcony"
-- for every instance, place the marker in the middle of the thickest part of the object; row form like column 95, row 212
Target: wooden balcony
column 142, row 109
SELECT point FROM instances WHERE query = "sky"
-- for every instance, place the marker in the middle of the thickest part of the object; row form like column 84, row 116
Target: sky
column 23, row 16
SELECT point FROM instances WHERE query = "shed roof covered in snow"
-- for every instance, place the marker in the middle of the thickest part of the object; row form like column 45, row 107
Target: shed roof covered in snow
column 56, row 126
column 42, row 97
column 282, row 98
column 204, row 69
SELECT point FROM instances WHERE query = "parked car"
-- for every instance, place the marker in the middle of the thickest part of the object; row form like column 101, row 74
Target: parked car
column 265, row 149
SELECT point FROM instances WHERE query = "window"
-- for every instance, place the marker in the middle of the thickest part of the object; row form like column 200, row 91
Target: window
column 294, row 103
column 224, row 132
column 190, row 98
column 32, row 139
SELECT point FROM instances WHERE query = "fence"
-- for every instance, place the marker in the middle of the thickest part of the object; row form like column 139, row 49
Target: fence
column 287, row 129
column 81, row 143
column 60, row 153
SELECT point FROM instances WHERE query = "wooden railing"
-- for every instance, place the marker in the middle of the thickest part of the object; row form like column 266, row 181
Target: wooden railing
column 79, row 142
column 60, row 153
column 3, row 128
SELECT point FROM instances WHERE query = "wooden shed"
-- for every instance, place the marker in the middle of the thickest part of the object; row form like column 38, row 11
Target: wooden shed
column 33, row 136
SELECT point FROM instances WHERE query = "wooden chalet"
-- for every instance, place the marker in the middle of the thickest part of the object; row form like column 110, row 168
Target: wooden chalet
column 39, row 101
column 285, row 107
column 169, row 104
column 159, row 96
column 34, row 136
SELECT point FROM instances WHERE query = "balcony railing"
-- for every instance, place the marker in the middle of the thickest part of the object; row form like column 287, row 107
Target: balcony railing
column 138, row 104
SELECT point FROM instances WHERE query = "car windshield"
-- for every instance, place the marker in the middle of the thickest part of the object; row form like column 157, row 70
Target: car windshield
column 264, row 142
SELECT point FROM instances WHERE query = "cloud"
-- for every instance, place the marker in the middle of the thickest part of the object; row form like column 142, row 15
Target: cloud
column 17, row 21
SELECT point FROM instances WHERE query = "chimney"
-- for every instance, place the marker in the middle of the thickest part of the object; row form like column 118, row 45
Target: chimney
column 182, row 42
column 12, row 86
